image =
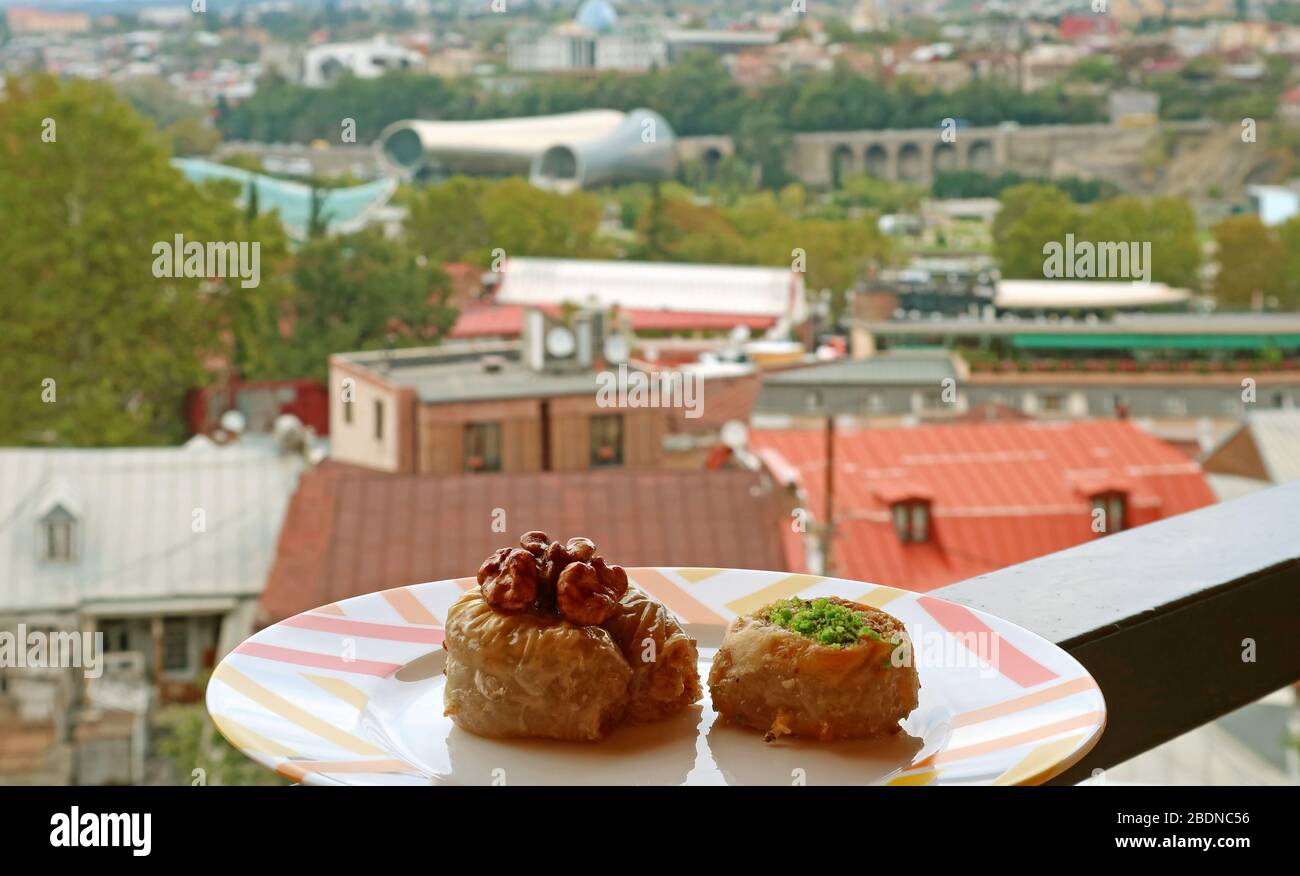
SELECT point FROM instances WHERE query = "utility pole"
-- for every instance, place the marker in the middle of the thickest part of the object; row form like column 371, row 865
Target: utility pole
column 828, row 525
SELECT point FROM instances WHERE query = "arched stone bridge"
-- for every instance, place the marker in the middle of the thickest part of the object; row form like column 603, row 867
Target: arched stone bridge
column 903, row 156
column 824, row 159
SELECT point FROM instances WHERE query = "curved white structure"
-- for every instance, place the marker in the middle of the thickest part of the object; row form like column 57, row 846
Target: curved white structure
column 566, row 151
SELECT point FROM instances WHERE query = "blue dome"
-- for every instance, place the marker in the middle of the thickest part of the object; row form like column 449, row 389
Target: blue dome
column 597, row 15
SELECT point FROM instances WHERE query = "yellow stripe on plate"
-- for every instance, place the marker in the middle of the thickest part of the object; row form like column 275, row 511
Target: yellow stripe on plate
column 340, row 688
column 879, row 597
column 250, row 740
column 1042, row 758
column 695, row 576
column 278, row 705
column 924, row 778
column 787, row 586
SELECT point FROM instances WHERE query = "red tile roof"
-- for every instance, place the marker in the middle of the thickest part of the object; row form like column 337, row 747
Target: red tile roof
column 1001, row 493
column 348, row 533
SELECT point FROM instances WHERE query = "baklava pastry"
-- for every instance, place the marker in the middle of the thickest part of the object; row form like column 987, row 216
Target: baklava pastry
column 825, row 669
column 663, row 658
column 521, row 674
column 553, row 643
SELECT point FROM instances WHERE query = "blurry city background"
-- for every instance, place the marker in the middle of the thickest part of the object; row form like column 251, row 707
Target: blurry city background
column 829, row 217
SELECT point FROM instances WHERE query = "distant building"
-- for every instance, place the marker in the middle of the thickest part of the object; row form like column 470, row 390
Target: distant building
column 1134, row 109
column 162, row 551
column 1275, row 204
column 561, row 152
column 597, row 39
column 1288, row 106
column 1265, row 448
column 23, row 20
column 923, row 507
column 325, row 64
column 491, row 407
column 1087, row 28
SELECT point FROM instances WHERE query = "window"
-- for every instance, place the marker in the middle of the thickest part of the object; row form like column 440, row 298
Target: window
column 58, row 528
column 379, row 420
column 347, row 412
column 176, row 644
column 912, row 521
column 1052, row 404
column 482, row 447
column 1108, row 512
column 813, row 400
column 606, row 436
column 116, row 635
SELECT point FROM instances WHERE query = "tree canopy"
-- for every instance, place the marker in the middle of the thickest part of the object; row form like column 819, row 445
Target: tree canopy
column 97, row 348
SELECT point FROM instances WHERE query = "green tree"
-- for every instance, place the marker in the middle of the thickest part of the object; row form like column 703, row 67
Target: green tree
column 1250, row 261
column 1032, row 216
column 192, row 136
column 1168, row 224
column 761, row 139
column 467, row 219
column 1289, row 237
column 98, row 350
column 360, row 291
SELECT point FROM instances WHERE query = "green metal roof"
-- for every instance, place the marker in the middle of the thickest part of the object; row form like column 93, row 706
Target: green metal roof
column 1154, row 342
column 344, row 209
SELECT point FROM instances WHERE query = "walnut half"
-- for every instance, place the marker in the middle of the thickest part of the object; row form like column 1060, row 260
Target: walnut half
column 586, row 593
column 509, row 579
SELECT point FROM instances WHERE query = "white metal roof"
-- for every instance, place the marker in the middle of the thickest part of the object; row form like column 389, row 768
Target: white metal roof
column 683, row 288
column 526, row 137
column 1066, row 294
column 135, row 538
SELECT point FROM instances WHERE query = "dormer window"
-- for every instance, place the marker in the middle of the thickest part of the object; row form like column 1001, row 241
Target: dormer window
column 912, row 521
column 58, row 529
column 1108, row 511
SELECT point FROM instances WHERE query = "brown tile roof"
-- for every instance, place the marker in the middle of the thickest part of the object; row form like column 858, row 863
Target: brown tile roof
column 347, row 534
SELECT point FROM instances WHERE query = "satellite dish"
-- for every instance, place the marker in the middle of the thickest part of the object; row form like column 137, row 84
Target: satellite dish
column 290, row 434
column 734, row 434
column 233, row 422
column 560, row 342
column 616, row 349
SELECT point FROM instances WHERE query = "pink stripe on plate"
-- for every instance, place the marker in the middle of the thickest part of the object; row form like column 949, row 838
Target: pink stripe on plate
column 319, row 661
column 1002, row 655
column 366, row 629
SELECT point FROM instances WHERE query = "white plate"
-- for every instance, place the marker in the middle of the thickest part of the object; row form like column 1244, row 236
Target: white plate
column 351, row 693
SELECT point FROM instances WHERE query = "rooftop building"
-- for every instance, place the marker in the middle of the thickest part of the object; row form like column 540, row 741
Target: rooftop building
column 922, row 507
